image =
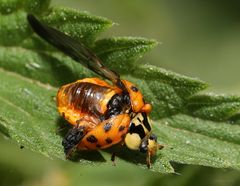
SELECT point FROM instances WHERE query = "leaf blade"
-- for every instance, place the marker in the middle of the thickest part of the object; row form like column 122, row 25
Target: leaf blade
column 31, row 69
column 184, row 145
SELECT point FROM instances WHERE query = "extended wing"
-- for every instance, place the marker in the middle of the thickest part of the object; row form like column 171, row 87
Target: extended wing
column 75, row 49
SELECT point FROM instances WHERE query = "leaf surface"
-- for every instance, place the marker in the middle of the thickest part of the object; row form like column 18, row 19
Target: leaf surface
column 195, row 129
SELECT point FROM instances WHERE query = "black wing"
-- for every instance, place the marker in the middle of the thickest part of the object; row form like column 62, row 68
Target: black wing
column 75, row 49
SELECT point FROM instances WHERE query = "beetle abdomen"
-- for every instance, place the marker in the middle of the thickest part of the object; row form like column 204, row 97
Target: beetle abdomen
column 86, row 98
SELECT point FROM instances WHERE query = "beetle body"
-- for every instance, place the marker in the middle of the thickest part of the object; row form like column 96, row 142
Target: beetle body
column 102, row 111
column 101, row 114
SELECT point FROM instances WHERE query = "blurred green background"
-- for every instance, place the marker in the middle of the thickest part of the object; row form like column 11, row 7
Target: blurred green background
column 198, row 38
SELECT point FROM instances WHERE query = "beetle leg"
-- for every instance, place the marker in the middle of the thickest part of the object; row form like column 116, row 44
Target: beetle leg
column 150, row 154
column 148, row 159
column 113, row 158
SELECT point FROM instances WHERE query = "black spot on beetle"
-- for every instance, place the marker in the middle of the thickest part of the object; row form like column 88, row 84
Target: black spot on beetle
column 134, row 89
column 108, row 140
column 107, row 127
column 121, row 128
column 92, row 139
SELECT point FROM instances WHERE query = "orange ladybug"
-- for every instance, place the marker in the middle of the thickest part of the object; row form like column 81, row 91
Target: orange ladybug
column 101, row 114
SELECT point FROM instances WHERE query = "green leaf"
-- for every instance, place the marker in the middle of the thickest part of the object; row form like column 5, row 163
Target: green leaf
column 214, row 107
column 14, row 28
column 80, row 25
column 195, row 141
column 41, row 170
column 31, row 71
column 24, row 113
column 36, row 6
column 122, row 51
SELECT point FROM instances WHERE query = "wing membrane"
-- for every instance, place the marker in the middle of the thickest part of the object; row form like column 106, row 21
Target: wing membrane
column 75, row 49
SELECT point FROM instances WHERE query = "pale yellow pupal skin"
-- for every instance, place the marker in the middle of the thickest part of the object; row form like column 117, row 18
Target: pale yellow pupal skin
column 133, row 141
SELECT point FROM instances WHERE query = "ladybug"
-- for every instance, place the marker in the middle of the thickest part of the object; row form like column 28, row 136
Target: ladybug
column 101, row 114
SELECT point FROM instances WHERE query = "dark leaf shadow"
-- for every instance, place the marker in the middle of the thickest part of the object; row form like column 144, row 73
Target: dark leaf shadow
column 131, row 156
column 94, row 156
